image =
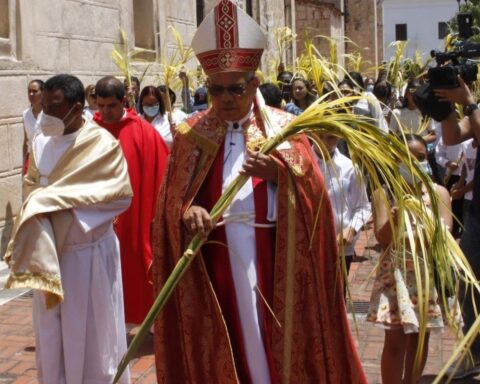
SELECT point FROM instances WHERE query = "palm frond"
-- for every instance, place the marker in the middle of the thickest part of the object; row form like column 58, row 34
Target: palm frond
column 283, row 36
column 354, row 61
column 122, row 57
column 394, row 72
column 171, row 65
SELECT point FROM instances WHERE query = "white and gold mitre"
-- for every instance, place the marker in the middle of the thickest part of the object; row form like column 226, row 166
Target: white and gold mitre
column 228, row 40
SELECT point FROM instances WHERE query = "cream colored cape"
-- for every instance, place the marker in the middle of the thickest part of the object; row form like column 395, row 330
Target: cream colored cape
column 93, row 170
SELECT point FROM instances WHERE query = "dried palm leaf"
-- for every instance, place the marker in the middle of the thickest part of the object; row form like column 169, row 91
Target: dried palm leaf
column 395, row 75
column 354, row 61
column 122, row 57
column 171, row 66
column 283, row 37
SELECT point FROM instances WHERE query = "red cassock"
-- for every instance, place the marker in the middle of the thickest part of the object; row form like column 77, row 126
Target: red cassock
column 197, row 336
column 146, row 155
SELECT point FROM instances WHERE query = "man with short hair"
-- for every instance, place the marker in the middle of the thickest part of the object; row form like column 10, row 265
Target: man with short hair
column 63, row 244
column 263, row 302
column 146, row 155
column 284, row 79
column 272, row 95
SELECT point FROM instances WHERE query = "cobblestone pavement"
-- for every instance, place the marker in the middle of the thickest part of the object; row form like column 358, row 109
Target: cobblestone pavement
column 17, row 344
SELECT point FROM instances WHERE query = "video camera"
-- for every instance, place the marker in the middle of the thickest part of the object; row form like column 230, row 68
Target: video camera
column 449, row 66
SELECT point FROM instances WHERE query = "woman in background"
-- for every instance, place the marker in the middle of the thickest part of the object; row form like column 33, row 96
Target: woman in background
column 91, row 99
column 302, row 96
column 152, row 109
column 394, row 303
column 30, row 115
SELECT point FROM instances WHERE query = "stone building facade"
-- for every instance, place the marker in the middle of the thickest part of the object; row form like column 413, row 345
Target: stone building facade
column 40, row 38
column 364, row 26
column 320, row 18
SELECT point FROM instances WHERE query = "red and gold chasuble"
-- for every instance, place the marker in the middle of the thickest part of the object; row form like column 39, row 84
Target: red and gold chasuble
column 198, row 337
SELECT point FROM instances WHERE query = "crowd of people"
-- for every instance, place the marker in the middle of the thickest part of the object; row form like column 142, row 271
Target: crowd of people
column 118, row 178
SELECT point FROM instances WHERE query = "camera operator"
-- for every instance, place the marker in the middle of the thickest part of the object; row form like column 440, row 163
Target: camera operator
column 455, row 132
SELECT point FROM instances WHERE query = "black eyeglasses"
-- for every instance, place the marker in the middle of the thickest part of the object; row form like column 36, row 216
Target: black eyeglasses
column 93, row 95
column 233, row 89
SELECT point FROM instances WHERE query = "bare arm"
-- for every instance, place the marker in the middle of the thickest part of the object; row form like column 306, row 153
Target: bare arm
column 445, row 207
column 453, row 131
column 380, row 211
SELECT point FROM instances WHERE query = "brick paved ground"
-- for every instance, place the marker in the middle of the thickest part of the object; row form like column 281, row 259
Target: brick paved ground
column 17, row 345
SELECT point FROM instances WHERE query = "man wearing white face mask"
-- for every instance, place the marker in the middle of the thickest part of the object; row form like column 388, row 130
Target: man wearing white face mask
column 63, row 245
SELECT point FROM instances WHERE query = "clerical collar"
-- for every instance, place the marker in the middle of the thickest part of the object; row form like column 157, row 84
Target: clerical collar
column 237, row 125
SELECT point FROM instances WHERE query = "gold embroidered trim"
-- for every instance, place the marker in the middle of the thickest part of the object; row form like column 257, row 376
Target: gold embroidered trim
column 290, row 280
column 219, row 311
column 196, row 137
column 294, row 161
column 51, row 285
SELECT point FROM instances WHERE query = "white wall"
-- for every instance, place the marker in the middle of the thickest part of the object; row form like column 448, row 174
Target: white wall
column 422, row 18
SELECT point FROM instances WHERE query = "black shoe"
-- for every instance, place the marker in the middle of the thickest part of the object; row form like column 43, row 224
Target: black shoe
column 467, row 368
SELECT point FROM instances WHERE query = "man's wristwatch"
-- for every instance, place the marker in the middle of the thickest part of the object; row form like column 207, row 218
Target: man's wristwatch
column 469, row 108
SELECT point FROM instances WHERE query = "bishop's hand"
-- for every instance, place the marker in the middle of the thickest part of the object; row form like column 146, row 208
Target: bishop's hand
column 260, row 165
column 197, row 220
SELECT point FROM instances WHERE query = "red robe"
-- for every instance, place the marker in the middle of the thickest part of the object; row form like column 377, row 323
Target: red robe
column 196, row 340
column 146, row 156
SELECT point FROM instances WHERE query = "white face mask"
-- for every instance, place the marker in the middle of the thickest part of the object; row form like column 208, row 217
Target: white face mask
column 426, row 167
column 370, row 87
column 151, row 111
column 51, row 125
column 405, row 172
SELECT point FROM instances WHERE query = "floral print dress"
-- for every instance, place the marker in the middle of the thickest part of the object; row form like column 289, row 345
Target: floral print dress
column 394, row 299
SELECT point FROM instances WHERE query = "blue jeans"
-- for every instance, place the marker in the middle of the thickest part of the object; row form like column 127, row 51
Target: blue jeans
column 470, row 244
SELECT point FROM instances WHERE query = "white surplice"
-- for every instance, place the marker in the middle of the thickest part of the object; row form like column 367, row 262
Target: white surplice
column 30, row 125
column 240, row 233
column 81, row 340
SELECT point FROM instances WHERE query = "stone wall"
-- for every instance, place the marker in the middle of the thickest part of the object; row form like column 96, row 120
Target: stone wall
column 315, row 18
column 364, row 27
